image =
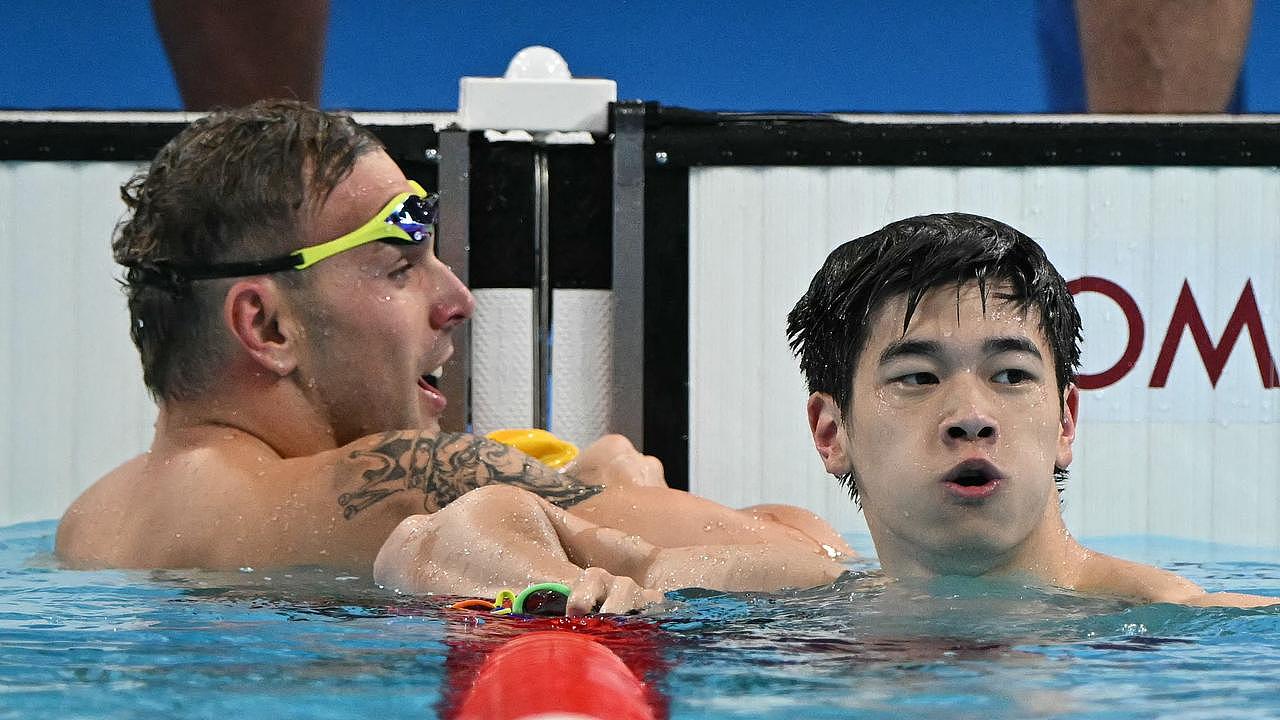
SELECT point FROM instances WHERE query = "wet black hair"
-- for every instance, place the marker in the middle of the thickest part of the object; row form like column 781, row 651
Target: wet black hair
column 828, row 327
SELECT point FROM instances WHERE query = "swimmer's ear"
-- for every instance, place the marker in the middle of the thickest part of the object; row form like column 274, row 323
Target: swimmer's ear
column 1067, row 430
column 252, row 310
column 825, row 423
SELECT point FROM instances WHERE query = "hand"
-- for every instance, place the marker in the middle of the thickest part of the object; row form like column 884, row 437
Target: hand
column 613, row 461
column 596, row 590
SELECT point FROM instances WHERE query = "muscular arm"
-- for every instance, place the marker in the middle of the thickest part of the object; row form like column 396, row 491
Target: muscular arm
column 1230, row 599
column 440, row 468
column 500, row 537
column 731, row 567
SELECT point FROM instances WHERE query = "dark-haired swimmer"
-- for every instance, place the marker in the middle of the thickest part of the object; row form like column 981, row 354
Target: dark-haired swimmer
column 941, row 353
column 290, row 314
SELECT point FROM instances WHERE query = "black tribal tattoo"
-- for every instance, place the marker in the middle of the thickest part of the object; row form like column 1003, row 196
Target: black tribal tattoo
column 445, row 466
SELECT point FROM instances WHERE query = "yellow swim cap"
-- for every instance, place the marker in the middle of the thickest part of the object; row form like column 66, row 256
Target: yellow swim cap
column 538, row 444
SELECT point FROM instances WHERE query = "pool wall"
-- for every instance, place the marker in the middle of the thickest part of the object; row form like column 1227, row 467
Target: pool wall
column 1173, row 257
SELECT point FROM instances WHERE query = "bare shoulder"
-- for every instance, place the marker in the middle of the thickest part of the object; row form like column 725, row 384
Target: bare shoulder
column 152, row 511
column 230, row 500
column 1107, row 575
column 83, row 531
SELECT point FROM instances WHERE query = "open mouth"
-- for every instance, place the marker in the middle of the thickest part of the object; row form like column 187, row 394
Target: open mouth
column 973, row 479
column 429, row 387
column 431, row 379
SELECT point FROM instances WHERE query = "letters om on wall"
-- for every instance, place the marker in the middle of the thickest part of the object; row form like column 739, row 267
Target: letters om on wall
column 1185, row 319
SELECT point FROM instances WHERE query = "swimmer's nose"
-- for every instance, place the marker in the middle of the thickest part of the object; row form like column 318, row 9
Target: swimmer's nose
column 970, row 425
column 453, row 305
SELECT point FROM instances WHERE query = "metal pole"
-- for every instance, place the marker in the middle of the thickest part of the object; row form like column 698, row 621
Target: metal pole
column 453, row 246
column 541, row 288
column 628, row 271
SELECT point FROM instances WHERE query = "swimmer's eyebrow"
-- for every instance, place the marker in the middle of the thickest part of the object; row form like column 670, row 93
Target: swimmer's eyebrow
column 934, row 351
column 904, row 348
column 416, row 250
column 412, row 253
column 1011, row 344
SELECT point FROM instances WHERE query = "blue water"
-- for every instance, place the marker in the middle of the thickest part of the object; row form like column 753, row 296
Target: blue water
column 307, row 643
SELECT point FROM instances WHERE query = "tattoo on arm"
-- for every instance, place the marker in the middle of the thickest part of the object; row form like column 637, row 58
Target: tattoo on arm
column 444, row 466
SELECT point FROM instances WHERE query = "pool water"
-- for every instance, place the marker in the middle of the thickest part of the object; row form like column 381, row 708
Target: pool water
column 307, row 643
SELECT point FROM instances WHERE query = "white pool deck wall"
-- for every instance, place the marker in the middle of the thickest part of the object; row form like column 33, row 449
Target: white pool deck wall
column 72, row 402
column 1188, row 460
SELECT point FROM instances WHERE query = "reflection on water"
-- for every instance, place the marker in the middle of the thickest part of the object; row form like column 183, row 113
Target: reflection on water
column 307, row 643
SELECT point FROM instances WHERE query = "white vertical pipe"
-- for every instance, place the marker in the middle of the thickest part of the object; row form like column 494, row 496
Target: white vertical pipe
column 502, row 392
column 581, row 364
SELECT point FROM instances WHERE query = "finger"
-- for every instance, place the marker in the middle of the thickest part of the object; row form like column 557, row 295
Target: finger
column 589, row 592
column 607, row 447
column 625, row 595
column 631, row 468
column 655, row 474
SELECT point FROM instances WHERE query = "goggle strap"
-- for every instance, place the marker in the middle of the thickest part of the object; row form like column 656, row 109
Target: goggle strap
column 171, row 274
column 241, row 269
column 180, row 274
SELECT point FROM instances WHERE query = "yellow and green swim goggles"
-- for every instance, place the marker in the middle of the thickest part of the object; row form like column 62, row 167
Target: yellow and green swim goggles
column 408, row 219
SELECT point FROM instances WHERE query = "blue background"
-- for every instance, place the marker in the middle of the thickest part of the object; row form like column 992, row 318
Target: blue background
column 910, row 55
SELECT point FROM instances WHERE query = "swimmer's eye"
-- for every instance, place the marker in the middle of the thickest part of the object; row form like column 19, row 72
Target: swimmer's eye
column 917, row 378
column 402, row 272
column 1012, row 376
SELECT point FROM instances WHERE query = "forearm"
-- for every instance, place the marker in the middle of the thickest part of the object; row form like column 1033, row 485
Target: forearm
column 494, row 538
column 738, row 568
column 1230, row 599
column 733, row 567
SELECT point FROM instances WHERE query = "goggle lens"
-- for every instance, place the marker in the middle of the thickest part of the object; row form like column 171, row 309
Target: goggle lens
column 417, row 217
column 545, row 602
